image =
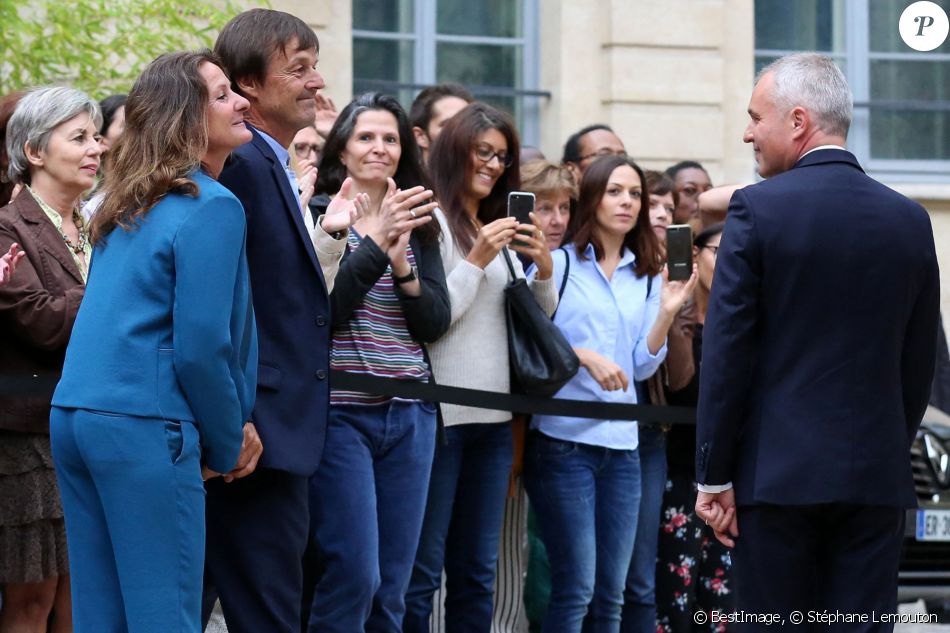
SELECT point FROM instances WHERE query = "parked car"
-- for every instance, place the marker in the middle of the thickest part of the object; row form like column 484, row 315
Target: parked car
column 925, row 562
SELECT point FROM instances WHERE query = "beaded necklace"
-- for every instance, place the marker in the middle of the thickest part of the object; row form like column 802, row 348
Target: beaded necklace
column 79, row 248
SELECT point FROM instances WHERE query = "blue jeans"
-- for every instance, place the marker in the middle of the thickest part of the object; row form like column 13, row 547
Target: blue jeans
column 462, row 528
column 586, row 499
column 368, row 498
column 135, row 520
column 639, row 596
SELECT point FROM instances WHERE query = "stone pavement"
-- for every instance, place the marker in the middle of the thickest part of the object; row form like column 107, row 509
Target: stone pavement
column 216, row 623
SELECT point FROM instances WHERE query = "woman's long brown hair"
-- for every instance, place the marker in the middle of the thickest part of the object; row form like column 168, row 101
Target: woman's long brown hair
column 165, row 137
column 641, row 240
column 450, row 169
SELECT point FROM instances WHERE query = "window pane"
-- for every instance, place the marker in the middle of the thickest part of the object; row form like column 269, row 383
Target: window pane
column 814, row 25
column 379, row 63
column 908, row 133
column 493, row 18
column 479, row 64
column 483, row 65
column 884, row 34
column 391, row 16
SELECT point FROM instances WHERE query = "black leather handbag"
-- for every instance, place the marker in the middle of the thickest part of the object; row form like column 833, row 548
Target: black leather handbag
column 541, row 359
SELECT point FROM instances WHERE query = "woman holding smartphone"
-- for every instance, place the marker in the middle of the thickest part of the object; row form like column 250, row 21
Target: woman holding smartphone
column 583, row 475
column 473, row 166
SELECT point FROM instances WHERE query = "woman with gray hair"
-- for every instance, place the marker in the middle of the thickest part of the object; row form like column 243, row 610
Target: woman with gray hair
column 53, row 148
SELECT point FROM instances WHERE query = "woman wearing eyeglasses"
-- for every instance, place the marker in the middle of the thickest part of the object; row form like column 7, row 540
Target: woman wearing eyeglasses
column 473, row 165
column 305, row 152
column 695, row 571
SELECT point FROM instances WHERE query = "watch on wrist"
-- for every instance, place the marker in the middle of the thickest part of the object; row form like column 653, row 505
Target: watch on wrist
column 410, row 276
column 337, row 235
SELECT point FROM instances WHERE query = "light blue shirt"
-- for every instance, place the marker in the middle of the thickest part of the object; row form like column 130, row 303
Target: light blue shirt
column 613, row 318
column 283, row 156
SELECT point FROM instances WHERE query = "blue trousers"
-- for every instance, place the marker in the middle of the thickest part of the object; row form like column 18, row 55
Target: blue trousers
column 367, row 501
column 256, row 537
column 462, row 528
column 135, row 520
column 639, row 596
column 586, row 499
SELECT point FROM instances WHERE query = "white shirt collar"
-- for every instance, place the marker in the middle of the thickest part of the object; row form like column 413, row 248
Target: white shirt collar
column 815, row 149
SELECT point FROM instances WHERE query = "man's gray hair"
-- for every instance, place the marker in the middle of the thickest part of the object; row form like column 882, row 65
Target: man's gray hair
column 815, row 83
column 35, row 117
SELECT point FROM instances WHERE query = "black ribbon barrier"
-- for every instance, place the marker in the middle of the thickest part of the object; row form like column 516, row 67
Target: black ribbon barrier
column 42, row 385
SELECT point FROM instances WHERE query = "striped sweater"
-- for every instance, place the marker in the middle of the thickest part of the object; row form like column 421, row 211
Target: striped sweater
column 375, row 339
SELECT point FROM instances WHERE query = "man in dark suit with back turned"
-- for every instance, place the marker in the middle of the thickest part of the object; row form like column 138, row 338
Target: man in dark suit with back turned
column 818, row 355
column 258, row 526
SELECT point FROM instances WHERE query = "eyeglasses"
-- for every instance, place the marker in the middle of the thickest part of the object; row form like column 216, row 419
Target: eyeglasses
column 714, row 250
column 303, row 149
column 603, row 152
column 485, row 154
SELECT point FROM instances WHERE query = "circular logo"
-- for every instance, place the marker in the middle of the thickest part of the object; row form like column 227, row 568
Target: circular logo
column 924, row 26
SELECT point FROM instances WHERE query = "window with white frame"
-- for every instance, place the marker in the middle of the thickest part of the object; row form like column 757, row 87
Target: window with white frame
column 901, row 127
column 489, row 46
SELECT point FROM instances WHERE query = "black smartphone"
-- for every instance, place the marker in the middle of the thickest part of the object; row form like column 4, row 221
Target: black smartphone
column 520, row 204
column 679, row 251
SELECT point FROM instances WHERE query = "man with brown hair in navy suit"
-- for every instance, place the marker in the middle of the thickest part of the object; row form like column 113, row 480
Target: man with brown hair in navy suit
column 258, row 526
column 818, row 353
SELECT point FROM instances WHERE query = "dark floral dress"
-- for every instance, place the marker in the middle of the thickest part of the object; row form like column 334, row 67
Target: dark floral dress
column 694, row 570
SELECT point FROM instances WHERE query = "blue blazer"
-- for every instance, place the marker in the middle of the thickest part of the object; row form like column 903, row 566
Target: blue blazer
column 820, row 340
column 166, row 329
column 293, row 312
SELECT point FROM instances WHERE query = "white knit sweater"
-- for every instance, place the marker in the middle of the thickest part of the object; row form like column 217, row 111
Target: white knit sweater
column 473, row 353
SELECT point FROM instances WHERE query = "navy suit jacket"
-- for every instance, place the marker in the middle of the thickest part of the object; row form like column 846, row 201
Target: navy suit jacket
column 166, row 328
column 292, row 308
column 820, row 339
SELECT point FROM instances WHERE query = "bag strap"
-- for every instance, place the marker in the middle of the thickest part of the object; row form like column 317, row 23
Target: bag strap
column 567, row 269
column 511, row 267
column 649, row 284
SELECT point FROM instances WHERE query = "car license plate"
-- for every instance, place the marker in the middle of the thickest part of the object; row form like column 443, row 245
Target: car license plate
column 933, row 525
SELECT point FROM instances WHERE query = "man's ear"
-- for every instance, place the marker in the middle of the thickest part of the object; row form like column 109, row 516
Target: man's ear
column 575, row 170
column 422, row 139
column 32, row 155
column 800, row 120
column 249, row 88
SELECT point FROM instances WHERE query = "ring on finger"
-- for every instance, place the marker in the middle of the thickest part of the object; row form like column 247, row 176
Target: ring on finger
column 412, row 212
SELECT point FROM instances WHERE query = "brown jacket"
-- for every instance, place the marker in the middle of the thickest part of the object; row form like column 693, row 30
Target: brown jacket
column 678, row 369
column 37, row 308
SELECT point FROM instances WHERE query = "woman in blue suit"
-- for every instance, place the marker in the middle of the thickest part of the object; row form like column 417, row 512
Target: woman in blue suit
column 160, row 372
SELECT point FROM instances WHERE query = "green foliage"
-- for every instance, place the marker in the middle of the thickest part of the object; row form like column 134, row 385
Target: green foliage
column 99, row 46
